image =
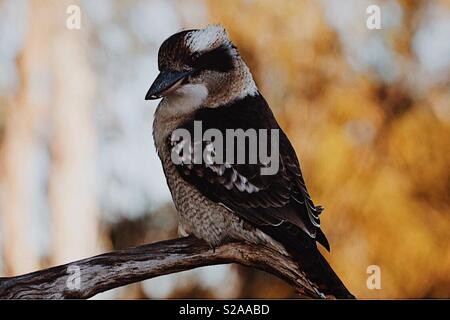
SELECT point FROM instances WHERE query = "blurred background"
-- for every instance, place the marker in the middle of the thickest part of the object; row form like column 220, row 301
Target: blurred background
column 368, row 111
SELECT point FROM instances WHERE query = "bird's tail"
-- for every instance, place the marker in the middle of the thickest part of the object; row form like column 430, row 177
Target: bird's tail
column 317, row 270
column 311, row 262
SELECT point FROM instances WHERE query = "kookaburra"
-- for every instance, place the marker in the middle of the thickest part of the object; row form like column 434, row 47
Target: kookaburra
column 203, row 78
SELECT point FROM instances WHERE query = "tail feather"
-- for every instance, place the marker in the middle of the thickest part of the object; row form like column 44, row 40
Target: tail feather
column 320, row 273
column 316, row 268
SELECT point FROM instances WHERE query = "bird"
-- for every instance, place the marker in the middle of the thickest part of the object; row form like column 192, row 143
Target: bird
column 203, row 78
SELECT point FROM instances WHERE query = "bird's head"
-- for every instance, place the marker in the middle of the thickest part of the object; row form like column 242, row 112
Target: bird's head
column 201, row 65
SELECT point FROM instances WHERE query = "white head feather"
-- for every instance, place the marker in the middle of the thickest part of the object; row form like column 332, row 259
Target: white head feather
column 208, row 38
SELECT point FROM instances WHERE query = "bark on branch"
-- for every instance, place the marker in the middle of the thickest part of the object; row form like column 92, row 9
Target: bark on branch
column 118, row 268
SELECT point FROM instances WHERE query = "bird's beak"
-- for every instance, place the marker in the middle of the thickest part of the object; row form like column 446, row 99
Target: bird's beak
column 166, row 82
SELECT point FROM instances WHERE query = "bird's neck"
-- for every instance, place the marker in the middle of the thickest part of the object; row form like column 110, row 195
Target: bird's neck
column 165, row 121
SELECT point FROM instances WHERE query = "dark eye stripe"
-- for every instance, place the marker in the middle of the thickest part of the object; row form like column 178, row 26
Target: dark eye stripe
column 219, row 59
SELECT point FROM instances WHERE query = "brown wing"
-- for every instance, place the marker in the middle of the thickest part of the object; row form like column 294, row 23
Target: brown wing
column 278, row 202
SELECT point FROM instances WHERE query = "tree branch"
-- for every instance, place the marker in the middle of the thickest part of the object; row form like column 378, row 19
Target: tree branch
column 87, row 277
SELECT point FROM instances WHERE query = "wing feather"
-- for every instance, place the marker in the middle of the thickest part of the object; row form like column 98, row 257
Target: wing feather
column 277, row 200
